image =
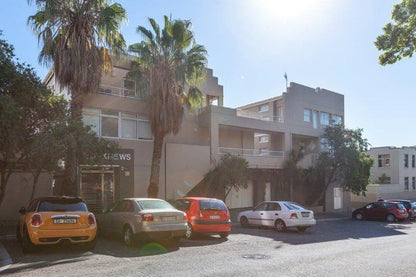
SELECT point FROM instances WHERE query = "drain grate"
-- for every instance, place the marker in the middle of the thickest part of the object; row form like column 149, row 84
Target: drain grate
column 256, row 257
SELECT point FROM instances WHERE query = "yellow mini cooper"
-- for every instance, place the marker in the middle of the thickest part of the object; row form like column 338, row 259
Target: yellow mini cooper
column 53, row 220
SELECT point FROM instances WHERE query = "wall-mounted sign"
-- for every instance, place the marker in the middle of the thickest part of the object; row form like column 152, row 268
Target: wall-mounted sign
column 118, row 156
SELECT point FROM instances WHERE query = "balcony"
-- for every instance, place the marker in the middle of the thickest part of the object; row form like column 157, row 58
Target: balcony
column 256, row 158
column 122, row 92
column 255, row 115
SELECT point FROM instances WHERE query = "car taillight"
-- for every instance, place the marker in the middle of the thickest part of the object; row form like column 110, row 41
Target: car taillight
column 36, row 220
column 91, row 219
column 293, row 215
column 147, row 217
column 409, row 211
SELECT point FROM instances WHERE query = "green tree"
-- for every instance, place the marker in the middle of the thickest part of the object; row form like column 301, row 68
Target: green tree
column 399, row 37
column 27, row 111
column 172, row 64
column 343, row 161
column 230, row 174
column 77, row 36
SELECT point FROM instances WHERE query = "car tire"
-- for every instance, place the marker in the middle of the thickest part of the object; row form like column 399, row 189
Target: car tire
column 358, row 216
column 301, row 229
column 280, row 225
column 390, row 218
column 128, row 236
column 244, row 221
column 27, row 245
column 189, row 233
column 224, row 235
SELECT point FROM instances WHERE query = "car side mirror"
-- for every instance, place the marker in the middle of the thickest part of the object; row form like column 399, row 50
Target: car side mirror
column 22, row 210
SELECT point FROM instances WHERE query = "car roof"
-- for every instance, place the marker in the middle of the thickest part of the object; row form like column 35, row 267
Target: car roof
column 399, row 200
column 59, row 198
column 197, row 198
column 141, row 198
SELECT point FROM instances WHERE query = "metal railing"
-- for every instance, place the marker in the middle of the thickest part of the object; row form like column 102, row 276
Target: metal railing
column 119, row 91
column 250, row 152
column 255, row 115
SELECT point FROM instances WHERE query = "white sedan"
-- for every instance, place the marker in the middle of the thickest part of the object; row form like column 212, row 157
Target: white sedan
column 278, row 214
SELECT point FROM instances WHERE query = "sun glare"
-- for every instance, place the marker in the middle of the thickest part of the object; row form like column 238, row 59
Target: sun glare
column 284, row 10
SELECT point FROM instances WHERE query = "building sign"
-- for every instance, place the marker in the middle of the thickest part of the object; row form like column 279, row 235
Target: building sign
column 118, row 156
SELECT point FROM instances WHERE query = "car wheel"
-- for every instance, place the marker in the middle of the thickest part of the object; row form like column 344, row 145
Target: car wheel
column 280, row 225
column 128, row 237
column 244, row 221
column 390, row 218
column 301, row 229
column 358, row 216
column 189, row 234
column 27, row 245
column 224, row 235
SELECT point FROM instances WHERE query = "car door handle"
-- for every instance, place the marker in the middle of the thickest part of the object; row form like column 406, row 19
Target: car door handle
column 276, row 214
column 261, row 213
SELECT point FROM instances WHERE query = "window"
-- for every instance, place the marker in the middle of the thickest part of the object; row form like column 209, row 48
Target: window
column 315, row 119
column 129, row 88
column 261, row 207
column 264, row 139
column 384, row 160
column 336, row 119
column 324, row 119
column 406, row 183
column 212, row 205
column 384, row 179
column 264, row 108
column 272, row 206
column 406, row 160
column 307, row 115
column 117, row 124
column 183, row 205
column 413, row 183
column 413, row 161
column 109, row 124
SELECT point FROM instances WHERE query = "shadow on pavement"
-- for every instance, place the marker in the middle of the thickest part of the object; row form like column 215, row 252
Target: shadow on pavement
column 329, row 231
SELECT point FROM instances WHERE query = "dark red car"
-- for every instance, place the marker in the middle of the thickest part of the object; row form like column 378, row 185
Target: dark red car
column 381, row 210
column 205, row 215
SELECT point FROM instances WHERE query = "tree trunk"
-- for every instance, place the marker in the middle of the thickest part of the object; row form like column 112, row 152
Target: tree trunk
column 4, row 178
column 35, row 183
column 69, row 184
column 153, row 189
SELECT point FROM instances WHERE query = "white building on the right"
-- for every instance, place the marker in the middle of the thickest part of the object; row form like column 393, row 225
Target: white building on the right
column 393, row 175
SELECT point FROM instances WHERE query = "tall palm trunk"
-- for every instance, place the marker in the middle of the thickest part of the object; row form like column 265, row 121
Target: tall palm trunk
column 153, row 189
column 70, row 180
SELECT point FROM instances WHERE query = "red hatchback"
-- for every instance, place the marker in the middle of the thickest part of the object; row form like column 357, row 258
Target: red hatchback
column 381, row 210
column 205, row 215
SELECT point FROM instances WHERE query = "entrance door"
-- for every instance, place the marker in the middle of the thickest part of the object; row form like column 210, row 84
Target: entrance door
column 97, row 188
column 337, row 198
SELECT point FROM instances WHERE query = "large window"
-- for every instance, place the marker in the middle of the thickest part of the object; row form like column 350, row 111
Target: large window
column 264, row 108
column 324, row 119
column 406, row 160
column 307, row 114
column 336, row 119
column 263, row 139
column 384, row 160
column 413, row 161
column 413, row 183
column 115, row 124
column 406, row 183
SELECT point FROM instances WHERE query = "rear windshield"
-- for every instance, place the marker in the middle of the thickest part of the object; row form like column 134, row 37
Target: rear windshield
column 212, row 205
column 183, row 205
column 56, row 206
column 154, row 204
column 400, row 206
column 294, row 206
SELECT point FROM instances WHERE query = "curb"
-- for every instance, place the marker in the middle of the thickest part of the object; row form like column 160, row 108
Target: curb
column 5, row 260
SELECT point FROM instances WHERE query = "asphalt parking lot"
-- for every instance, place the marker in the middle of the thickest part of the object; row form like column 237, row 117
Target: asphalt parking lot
column 335, row 248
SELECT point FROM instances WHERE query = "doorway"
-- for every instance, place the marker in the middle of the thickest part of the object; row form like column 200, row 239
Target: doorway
column 97, row 188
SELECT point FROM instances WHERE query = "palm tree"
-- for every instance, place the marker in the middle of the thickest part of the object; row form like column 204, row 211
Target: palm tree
column 77, row 36
column 172, row 63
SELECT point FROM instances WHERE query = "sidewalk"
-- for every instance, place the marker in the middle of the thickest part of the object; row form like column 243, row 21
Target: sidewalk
column 321, row 217
column 7, row 232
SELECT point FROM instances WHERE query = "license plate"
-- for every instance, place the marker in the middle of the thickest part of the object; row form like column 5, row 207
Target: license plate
column 168, row 218
column 65, row 221
column 305, row 214
column 214, row 217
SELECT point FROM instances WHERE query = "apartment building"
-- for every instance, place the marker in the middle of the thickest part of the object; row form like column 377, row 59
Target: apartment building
column 393, row 174
column 263, row 133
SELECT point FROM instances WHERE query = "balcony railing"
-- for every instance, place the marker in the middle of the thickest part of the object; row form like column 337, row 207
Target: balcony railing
column 255, row 115
column 119, row 91
column 250, row 152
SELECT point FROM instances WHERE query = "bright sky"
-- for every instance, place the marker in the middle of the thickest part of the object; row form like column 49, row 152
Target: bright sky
column 252, row 43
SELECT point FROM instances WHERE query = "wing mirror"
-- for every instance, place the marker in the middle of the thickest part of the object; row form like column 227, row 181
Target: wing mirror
column 22, row 210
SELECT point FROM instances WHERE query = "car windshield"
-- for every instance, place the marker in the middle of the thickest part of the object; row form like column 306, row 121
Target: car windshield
column 400, row 206
column 154, row 204
column 212, row 205
column 413, row 204
column 294, row 206
column 62, row 206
